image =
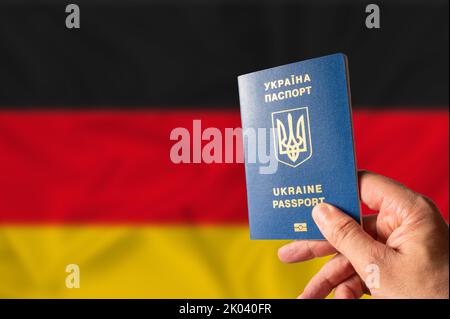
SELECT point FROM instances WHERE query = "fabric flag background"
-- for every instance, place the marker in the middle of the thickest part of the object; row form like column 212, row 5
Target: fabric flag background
column 86, row 115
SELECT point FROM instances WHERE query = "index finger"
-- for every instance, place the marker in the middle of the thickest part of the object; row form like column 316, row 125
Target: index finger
column 302, row 250
column 378, row 192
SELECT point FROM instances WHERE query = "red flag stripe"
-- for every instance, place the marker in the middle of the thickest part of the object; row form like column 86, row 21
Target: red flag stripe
column 114, row 167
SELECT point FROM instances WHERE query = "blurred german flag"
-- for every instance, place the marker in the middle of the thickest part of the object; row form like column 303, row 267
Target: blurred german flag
column 86, row 115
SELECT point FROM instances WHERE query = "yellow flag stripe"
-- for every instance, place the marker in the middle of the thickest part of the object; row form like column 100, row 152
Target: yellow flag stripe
column 145, row 262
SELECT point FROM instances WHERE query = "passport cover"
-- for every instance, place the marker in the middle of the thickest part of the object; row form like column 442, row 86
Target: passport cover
column 304, row 111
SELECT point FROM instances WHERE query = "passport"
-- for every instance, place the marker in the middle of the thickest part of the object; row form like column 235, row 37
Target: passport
column 298, row 146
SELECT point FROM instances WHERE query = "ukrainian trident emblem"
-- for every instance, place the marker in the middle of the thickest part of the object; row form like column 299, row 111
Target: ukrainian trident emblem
column 292, row 136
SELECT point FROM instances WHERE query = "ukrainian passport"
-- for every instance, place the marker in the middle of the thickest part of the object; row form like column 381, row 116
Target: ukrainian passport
column 298, row 144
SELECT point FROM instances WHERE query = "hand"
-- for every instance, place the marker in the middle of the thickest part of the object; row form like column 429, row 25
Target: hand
column 403, row 251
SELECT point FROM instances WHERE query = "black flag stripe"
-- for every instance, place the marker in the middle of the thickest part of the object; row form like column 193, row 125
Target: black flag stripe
column 166, row 54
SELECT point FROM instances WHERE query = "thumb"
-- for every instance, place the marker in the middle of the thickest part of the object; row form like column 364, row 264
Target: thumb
column 348, row 237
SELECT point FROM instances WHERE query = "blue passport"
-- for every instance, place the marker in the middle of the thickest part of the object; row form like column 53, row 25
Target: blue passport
column 298, row 144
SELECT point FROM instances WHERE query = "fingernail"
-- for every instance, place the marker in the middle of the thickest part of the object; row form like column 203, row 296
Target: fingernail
column 320, row 212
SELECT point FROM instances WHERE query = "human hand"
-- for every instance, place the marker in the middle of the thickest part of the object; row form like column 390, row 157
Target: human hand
column 406, row 243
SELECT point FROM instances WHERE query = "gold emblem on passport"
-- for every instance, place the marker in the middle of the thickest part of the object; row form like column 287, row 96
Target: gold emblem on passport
column 292, row 136
column 300, row 227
